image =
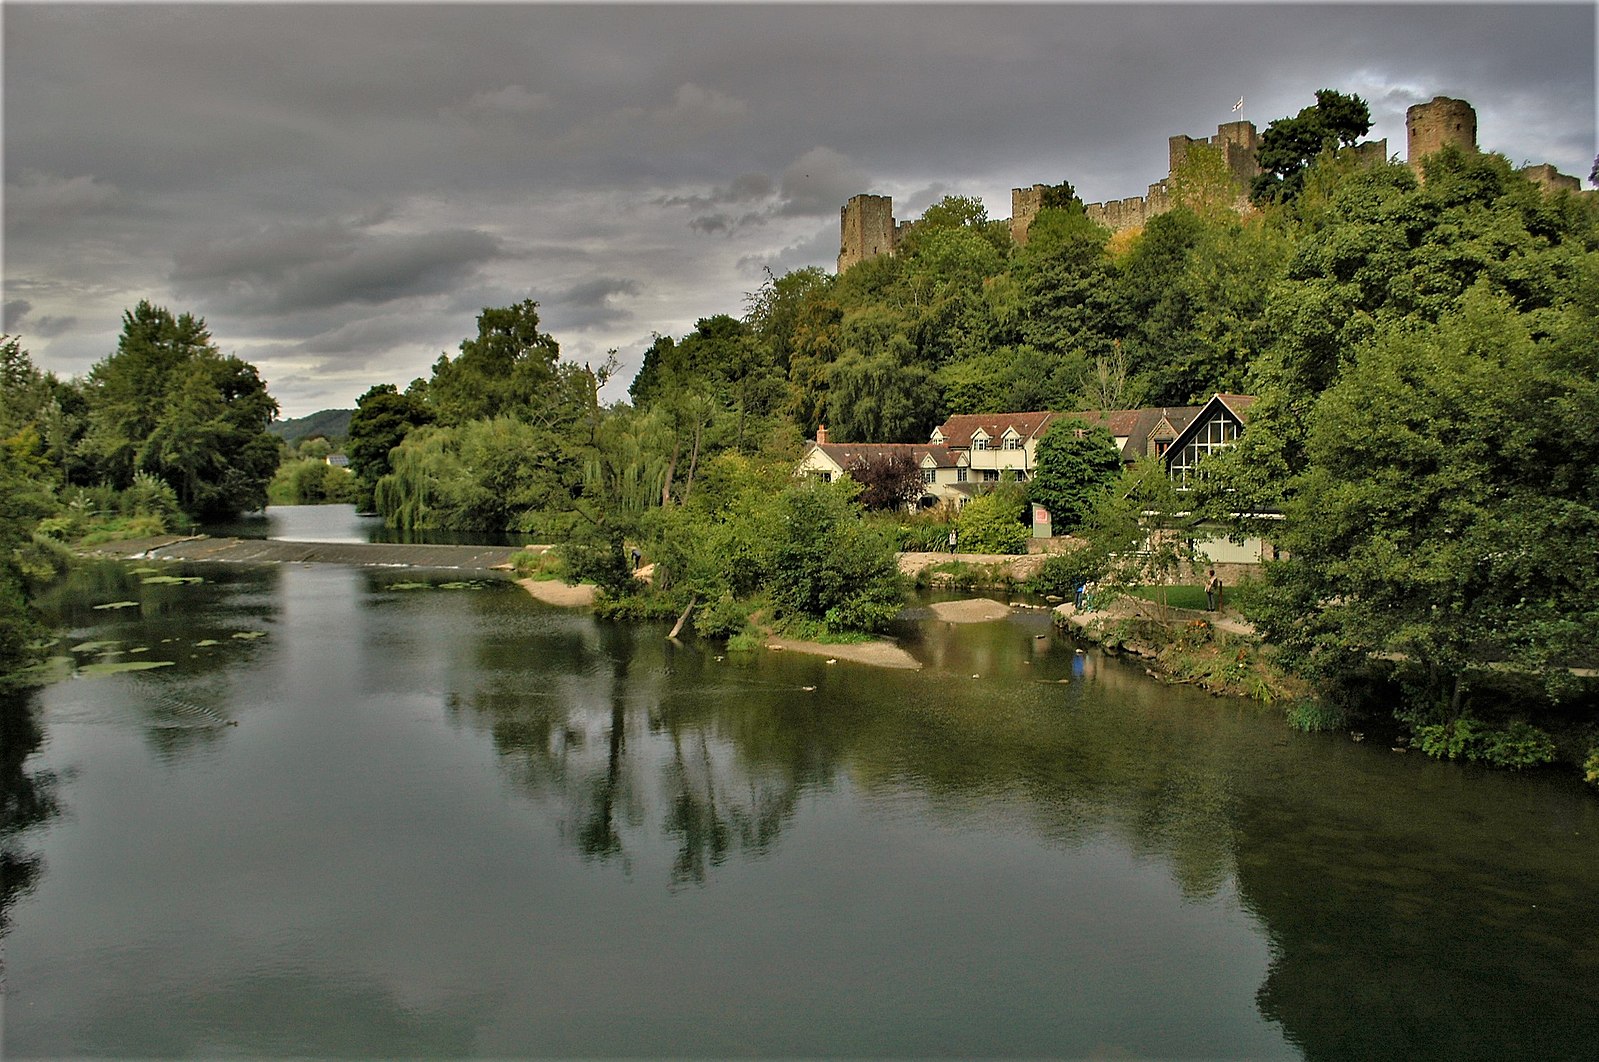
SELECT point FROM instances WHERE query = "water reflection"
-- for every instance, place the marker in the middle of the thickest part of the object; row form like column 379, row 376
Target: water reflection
column 452, row 821
column 27, row 800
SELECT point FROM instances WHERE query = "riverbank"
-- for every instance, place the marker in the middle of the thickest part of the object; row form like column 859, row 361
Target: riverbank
column 1217, row 651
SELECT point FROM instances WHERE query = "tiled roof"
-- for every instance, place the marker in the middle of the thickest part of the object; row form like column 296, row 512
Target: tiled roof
column 1135, row 425
column 844, row 454
column 958, row 430
column 1239, row 404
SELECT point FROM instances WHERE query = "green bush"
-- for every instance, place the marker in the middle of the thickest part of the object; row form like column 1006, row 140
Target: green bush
column 1519, row 745
column 1515, row 746
column 1063, row 573
column 538, row 564
column 923, row 535
column 992, row 522
column 723, row 617
column 150, row 495
column 1590, row 767
column 1461, row 739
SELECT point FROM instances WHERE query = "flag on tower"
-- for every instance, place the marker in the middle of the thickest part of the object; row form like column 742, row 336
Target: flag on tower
column 1239, row 105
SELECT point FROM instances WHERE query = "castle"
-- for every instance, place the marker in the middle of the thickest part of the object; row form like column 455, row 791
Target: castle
column 867, row 227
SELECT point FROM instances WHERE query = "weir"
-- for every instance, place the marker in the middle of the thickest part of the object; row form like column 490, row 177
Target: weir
column 277, row 551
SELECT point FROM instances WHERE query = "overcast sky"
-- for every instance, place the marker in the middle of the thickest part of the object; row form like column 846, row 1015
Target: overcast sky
column 340, row 190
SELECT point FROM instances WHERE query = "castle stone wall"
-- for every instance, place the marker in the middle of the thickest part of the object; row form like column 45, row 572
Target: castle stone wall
column 1550, row 179
column 865, row 229
column 1444, row 122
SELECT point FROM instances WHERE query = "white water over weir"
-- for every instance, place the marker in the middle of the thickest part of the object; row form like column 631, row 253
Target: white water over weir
column 276, row 551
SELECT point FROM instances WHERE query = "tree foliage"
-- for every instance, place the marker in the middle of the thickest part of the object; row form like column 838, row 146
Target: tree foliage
column 169, row 402
column 1077, row 463
column 1289, row 145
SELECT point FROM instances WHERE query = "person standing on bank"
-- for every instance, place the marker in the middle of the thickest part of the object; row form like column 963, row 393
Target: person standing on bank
column 1212, row 591
column 952, row 540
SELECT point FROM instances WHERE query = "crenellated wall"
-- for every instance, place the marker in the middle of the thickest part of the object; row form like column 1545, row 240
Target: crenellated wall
column 867, row 227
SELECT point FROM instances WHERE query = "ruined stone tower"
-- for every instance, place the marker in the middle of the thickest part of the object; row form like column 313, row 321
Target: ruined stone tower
column 1025, row 204
column 1436, row 125
column 865, row 229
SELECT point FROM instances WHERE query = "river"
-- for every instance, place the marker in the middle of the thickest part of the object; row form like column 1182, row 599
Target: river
column 371, row 813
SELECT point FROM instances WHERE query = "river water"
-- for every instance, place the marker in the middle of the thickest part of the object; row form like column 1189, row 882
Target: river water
column 373, row 813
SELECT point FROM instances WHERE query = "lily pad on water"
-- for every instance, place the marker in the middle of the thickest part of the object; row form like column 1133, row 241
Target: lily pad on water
column 95, row 646
column 140, row 649
column 118, row 604
column 469, row 585
column 208, row 641
column 168, row 580
column 112, row 667
column 142, row 571
column 409, row 586
column 247, row 635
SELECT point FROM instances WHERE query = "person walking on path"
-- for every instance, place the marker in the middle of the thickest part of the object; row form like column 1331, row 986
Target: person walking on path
column 1212, row 591
column 952, row 540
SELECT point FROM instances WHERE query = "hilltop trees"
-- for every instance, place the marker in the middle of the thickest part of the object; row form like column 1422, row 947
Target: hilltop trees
column 1289, row 145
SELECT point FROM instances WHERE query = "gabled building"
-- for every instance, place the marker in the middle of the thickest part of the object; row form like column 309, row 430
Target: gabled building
column 943, row 477
column 993, row 443
column 1215, row 426
column 972, row 449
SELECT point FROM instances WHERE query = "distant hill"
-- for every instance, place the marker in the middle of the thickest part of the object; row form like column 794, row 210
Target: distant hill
column 332, row 424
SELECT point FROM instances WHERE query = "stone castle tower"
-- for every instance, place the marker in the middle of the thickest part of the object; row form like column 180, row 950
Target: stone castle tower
column 1433, row 126
column 865, row 229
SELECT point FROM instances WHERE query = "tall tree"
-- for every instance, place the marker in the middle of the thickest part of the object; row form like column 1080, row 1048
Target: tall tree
column 1077, row 464
column 168, row 402
column 1290, row 144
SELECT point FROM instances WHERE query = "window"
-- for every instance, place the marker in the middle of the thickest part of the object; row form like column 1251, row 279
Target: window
column 960, row 475
column 1162, row 445
column 1013, row 444
column 979, row 443
column 990, row 475
column 929, row 475
column 1216, row 434
column 827, row 477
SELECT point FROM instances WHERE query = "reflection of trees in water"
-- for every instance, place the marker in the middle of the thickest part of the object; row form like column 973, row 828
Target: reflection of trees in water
column 630, row 735
column 27, row 799
column 627, row 744
column 1451, row 917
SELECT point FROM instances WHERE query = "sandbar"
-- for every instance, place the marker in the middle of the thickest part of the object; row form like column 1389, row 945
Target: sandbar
column 971, row 610
column 556, row 592
column 877, row 654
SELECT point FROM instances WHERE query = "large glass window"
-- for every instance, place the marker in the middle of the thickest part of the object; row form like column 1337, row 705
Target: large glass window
column 929, row 475
column 1216, row 434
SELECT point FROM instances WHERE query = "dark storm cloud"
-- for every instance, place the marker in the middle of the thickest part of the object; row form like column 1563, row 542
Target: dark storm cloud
column 296, row 268
column 302, row 174
column 590, row 304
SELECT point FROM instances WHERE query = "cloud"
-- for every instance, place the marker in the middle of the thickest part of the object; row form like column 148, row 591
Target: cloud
column 696, row 106
column 294, row 268
column 511, row 100
column 591, row 303
column 820, row 181
column 15, row 310
column 39, row 197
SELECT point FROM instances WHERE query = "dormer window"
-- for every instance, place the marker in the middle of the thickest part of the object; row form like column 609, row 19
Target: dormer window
column 979, row 442
column 1013, row 443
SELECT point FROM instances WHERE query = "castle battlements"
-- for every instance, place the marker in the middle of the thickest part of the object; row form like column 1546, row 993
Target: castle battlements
column 867, row 227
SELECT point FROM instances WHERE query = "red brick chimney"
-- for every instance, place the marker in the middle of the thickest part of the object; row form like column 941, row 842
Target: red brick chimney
column 821, row 434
